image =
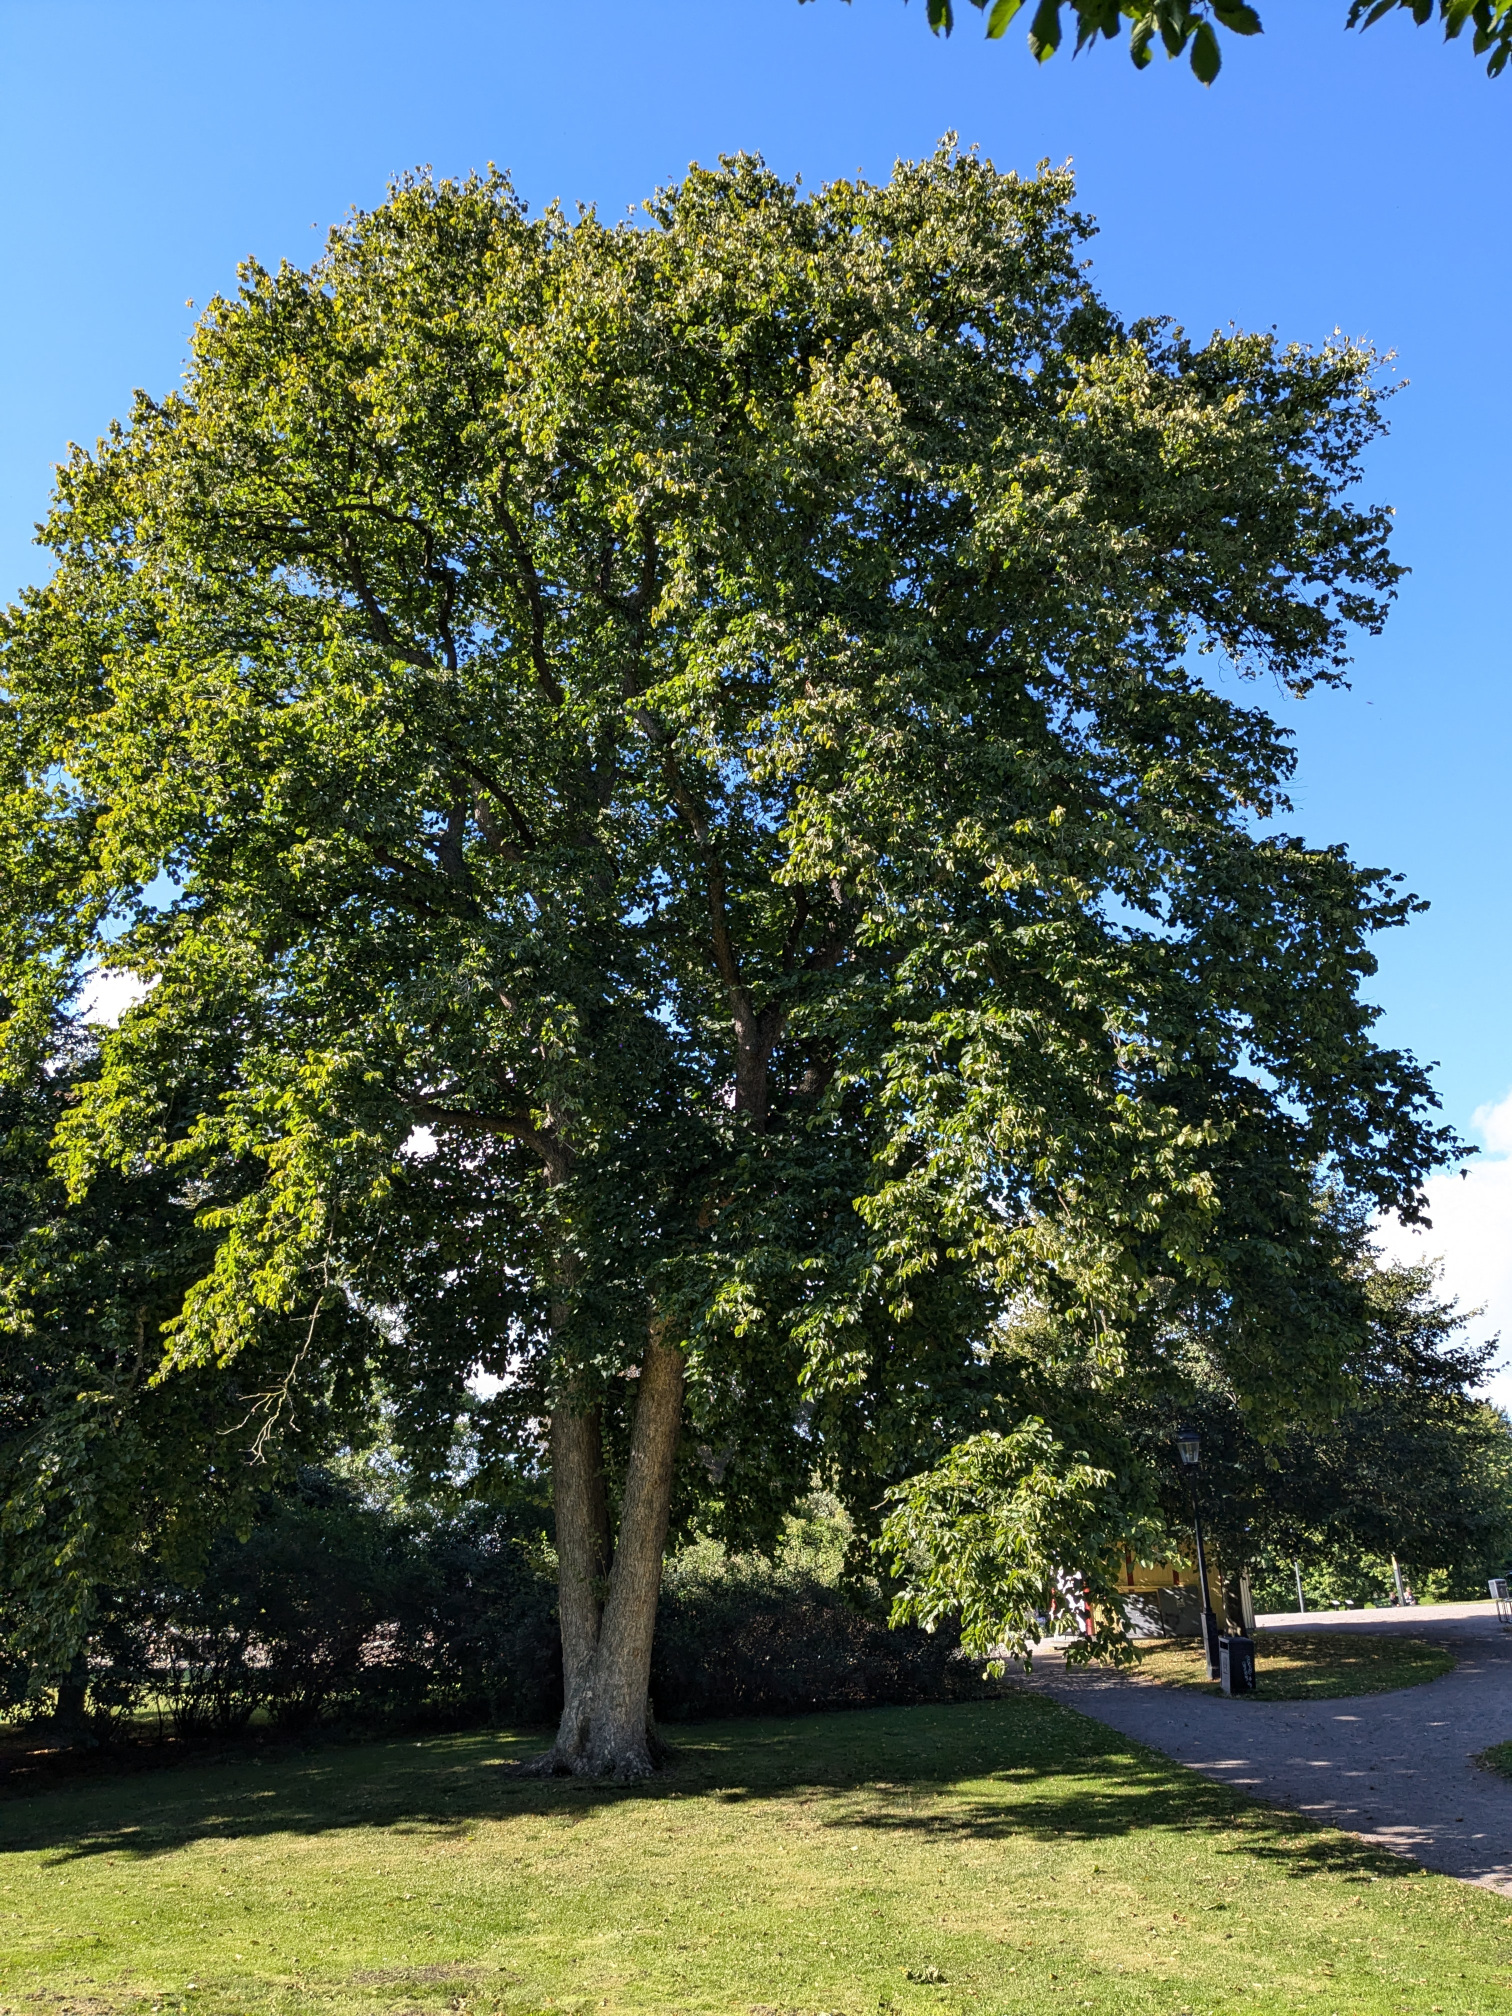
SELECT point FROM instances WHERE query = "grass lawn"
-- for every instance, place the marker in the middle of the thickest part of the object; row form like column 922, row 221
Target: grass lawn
column 1000, row 1856
column 1308, row 1666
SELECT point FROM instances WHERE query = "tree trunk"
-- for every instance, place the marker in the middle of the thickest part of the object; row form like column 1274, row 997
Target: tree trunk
column 582, row 1538
column 607, row 1727
column 69, row 1720
column 1233, row 1601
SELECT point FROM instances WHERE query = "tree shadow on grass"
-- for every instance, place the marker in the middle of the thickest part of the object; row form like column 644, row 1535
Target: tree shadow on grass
column 1021, row 1766
column 1059, row 1806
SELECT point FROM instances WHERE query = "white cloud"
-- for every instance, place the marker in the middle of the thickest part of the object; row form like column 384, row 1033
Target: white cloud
column 419, row 1144
column 1494, row 1125
column 1472, row 1234
column 108, row 993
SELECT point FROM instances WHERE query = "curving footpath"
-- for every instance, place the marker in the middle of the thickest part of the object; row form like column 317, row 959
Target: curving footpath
column 1397, row 1769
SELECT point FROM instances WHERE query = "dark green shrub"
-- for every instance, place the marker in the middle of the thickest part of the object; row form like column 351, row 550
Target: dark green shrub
column 202, row 1674
column 749, row 1637
column 483, row 1617
column 335, row 1608
column 338, row 1608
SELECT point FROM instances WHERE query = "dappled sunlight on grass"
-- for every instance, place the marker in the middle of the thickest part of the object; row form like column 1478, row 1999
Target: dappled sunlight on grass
column 1005, row 1855
column 1311, row 1666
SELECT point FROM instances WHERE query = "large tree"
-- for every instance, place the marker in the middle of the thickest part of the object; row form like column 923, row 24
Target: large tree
column 709, row 722
column 1195, row 27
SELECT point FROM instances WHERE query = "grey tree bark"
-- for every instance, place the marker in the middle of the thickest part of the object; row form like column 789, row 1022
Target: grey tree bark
column 609, row 1619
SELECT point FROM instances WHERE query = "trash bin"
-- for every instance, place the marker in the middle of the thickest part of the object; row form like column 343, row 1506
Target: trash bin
column 1236, row 1663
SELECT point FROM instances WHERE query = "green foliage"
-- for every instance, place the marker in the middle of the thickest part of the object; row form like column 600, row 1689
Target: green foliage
column 1342, row 1578
column 334, row 1609
column 739, row 1635
column 1181, row 26
column 291, row 1618
column 1345, row 1577
column 1413, row 1464
column 710, row 720
column 1017, row 1527
column 328, row 1607
column 1490, row 19
column 104, row 1465
column 1009, row 1531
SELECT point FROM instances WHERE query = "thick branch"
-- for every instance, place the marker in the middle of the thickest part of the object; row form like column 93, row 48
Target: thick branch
column 486, row 780
column 794, row 937
column 507, row 850
column 639, row 600
column 383, row 630
column 449, row 848
column 507, row 1126
column 411, row 900
column 530, row 583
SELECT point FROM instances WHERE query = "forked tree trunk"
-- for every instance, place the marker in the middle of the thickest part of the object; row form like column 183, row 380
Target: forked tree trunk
column 608, row 1621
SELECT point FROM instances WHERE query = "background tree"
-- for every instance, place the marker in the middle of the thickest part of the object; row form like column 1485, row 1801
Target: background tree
column 1193, row 26
column 708, row 721
column 1409, row 1462
column 105, row 1467
column 1414, row 1465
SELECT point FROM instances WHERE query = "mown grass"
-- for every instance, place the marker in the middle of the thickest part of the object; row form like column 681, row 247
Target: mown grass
column 1498, row 1758
column 1005, row 1856
column 1312, row 1666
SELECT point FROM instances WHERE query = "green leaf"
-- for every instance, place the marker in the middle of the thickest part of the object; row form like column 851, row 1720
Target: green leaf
column 1045, row 31
column 1094, row 18
column 941, row 20
column 1002, row 13
column 1207, row 57
column 1236, row 17
column 1175, row 25
column 1492, row 21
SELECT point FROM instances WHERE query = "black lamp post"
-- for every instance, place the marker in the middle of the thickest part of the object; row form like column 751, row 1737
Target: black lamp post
column 1189, row 1449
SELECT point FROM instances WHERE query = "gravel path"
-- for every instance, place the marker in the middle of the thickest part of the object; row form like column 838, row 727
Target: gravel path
column 1396, row 1769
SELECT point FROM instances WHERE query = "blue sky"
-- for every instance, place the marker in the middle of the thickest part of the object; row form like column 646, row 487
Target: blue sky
column 1326, row 180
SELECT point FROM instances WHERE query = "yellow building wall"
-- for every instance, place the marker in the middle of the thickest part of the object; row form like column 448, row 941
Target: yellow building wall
column 1178, row 1574
column 1142, row 1581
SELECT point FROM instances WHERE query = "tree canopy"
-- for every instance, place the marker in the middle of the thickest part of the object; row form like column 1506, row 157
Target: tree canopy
column 1195, row 27
column 731, row 732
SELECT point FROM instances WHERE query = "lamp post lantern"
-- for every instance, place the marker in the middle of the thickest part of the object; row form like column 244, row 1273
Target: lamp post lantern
column 1189, row 1449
